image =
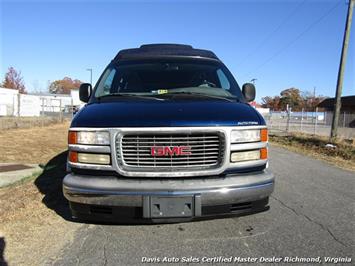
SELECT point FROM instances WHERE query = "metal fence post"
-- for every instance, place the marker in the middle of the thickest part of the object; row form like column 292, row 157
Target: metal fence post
column 344, row 120
column 302, row 120
column 42, row 116
column 71, row 108
column 315, row 123
column 13, row 105
column 60, row 111
column 288, row 120
column 18, row 104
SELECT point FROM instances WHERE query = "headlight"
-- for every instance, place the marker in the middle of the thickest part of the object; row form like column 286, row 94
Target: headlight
column 89, row 137
column 245, row 156
column 90, row 158
column 248, row 135
column 93, row 158
column 241, row 156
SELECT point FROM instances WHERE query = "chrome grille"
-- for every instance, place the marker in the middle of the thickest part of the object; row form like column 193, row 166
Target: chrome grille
column 207, row 151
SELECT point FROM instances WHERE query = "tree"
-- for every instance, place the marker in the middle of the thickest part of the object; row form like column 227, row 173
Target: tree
column 311, row 101
column 14, row 80
column 294, row 98
column 64, row 86
column 271, row 102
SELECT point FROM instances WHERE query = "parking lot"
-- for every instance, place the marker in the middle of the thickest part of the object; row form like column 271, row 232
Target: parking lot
column 311, row 216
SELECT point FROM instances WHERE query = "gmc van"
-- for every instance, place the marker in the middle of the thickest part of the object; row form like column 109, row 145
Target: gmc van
column 167, row 135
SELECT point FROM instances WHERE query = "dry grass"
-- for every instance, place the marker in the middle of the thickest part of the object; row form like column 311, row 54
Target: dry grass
column 342, row 156
column 9, row 122
column 29, row 228
column 34, row 214
column 33, row 145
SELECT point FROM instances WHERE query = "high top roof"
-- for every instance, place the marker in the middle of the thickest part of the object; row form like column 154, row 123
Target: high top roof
column 147, row 51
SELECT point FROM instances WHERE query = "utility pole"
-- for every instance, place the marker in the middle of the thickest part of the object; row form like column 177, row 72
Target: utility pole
column 337, row 105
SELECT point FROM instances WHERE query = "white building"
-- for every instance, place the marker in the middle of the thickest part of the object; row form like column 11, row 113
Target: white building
column 12, row 103
column 8, row 102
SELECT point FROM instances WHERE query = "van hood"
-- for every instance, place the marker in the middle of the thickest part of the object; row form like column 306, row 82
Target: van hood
column 167, row 113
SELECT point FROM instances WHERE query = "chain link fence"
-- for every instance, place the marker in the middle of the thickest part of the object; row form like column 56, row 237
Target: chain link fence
column 315, row 123
column 24, row 111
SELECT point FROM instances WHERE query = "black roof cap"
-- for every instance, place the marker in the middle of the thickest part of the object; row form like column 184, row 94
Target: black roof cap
column 147, row 51
column 346, row 102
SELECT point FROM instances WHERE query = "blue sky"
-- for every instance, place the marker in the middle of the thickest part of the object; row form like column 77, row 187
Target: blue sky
column 282, row 44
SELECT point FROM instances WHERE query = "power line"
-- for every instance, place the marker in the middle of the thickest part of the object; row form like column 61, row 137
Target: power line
column 267, row 38
column 296, row 39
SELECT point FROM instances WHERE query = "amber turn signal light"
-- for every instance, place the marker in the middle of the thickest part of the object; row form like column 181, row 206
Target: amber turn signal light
column 263, row 153
column 72, row 137
column 263, row 135
column 73, row 156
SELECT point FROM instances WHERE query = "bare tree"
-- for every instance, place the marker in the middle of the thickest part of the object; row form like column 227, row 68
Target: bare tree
column 14, row 80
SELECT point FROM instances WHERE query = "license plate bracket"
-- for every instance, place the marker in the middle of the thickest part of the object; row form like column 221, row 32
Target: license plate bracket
column 170, row 206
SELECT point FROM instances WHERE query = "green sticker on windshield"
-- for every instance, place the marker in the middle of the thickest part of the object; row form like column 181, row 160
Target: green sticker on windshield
column 162, row 91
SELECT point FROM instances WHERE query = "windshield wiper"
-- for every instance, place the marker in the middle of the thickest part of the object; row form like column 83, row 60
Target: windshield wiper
column 228, row 98
column 128, row 95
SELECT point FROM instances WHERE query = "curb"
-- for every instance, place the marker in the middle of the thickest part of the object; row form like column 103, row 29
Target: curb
column 10, row 177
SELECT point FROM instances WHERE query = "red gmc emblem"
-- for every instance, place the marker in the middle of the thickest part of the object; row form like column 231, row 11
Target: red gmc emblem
column 170, row 151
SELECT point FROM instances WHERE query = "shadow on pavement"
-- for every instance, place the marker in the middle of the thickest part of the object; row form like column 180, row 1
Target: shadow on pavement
column 49, row 183
column 2, row 249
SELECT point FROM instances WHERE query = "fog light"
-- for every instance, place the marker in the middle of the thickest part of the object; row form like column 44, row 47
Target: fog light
column 93, row 158
column 241, row 156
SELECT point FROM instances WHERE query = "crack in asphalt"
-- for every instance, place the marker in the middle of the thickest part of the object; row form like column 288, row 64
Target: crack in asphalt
column 104, row 247
column 225, row 238
column 325, row 228
column 81, row 246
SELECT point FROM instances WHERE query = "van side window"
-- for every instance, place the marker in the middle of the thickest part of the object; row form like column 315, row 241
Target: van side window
column 105, row 84
column 223, row 80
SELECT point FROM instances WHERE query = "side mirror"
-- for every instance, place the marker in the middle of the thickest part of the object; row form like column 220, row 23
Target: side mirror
column 85, row 92
column 248, row 91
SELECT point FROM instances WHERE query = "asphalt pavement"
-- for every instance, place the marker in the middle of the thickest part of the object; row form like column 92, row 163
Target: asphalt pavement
column 312, row 215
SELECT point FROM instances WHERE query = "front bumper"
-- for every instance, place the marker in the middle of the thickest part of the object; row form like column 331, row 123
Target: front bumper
column 113, row 191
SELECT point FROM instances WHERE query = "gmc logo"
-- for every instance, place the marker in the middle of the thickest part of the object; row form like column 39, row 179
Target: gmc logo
column 170, row 151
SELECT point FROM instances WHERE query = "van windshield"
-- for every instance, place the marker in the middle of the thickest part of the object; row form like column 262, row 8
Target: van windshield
column 156, row 78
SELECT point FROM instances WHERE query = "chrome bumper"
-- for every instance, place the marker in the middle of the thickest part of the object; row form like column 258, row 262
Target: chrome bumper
column 115, row 191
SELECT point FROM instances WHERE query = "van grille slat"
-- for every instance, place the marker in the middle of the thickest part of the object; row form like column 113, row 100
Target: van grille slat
column 148, row 145
column 207, row 151
column 131, row 158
